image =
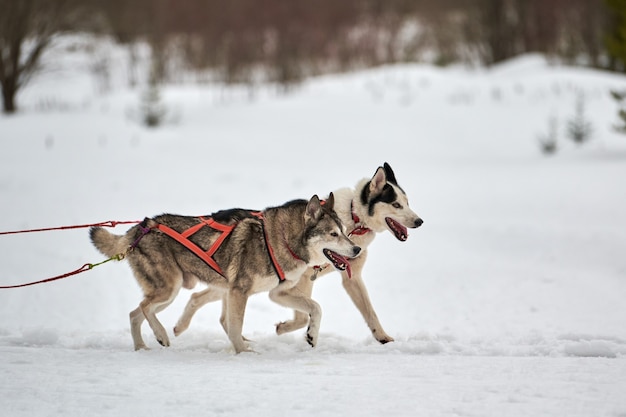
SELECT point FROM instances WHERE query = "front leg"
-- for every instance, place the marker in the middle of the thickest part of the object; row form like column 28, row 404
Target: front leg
column 300, row 319
column 355, row 287
column 236, row 301
column 301, row 303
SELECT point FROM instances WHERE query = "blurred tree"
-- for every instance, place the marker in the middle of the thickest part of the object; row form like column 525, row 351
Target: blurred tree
column 579, row 128
column 498, row 27
column 615, row 39
column 27, row 28
column 620, row 98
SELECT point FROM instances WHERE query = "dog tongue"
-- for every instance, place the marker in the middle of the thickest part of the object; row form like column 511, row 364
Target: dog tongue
column 348, row 269
column 342, row 263
column 340, row 260
column 398, row 229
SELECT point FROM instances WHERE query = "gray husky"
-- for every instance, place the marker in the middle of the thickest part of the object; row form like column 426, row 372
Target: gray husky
column 373, row 206
column 237, row 253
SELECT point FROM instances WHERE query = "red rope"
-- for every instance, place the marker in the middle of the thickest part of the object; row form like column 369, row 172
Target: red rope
column 110, row 223
column 86, row 267
column 83, row 268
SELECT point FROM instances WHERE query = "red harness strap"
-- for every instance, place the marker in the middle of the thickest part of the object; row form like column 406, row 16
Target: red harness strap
column 275, row 264
column 206, row 256
column 359, row 230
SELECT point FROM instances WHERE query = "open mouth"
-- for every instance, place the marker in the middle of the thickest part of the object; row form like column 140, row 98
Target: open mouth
column 398, row 230
column 339, row 262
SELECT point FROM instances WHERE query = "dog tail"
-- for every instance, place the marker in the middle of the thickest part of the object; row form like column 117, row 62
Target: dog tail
column 107, row 243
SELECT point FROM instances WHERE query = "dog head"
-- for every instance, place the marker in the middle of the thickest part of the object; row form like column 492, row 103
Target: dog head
column 386, row 205
column 325, row 235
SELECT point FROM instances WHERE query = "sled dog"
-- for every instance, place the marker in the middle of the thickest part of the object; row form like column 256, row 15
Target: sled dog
column 375, row 205
column 235, row 252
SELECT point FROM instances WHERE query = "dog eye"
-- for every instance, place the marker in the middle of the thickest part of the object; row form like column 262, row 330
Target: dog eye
column 334, row 234
column 397, row 205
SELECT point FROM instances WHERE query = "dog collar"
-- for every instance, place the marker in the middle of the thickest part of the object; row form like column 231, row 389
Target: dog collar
column 316, row 268
column 358, row 230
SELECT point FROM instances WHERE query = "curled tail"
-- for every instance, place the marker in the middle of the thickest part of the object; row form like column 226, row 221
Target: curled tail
column 106, row 242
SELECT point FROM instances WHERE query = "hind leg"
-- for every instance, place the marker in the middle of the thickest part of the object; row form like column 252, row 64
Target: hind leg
column 156, row 298
column 136, row 318
column 196, row 301
column 152, row 305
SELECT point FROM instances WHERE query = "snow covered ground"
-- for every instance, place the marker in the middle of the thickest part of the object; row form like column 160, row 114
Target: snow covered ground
column 509, row 301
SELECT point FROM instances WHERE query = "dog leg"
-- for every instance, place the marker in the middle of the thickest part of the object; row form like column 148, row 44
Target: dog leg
column 149, row 311
column 224, row 314
column 155, row 303
column 300, row 319
column 236, row 308
column 196, row 301
column 304, row 304
column 355, row 287
column 136, row 318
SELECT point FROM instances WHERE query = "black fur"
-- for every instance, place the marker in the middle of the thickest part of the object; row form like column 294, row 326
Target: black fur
column 389, row 174
column 231, row 215
column 388, row 194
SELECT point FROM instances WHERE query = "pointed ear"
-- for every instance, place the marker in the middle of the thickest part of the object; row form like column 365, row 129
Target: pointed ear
column 389, row 173
column 378, row 181
column 330, row 202
column 313, row 210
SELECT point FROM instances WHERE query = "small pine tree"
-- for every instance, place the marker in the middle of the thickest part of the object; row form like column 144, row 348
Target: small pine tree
column 579, row 129
column 548, row 141
column 620, row 97
column 153, row 111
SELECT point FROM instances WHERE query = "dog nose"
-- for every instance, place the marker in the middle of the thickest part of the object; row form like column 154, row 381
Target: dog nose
column 419, row 222
column 356, row 250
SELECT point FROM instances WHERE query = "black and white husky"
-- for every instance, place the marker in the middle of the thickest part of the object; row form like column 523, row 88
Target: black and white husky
column 373, row 206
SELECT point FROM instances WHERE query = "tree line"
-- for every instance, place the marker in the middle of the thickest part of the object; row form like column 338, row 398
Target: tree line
column 288, row 40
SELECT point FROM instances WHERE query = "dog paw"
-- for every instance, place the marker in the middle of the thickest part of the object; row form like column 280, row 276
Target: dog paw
column 165, row 342
column 243, row 349
column 382, row 337
column 289, row 326
column 178, row 330
column 281, row 328
column 310, row 338
column 384, row 340
column 141, row 347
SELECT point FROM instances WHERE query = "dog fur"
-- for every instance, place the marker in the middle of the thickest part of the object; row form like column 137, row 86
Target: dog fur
column 300, row 232
column 380, row 204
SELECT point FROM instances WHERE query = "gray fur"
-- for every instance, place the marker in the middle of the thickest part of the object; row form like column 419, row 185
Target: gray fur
column 162, row 265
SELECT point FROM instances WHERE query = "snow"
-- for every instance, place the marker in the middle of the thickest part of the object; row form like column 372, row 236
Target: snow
column 508, row 301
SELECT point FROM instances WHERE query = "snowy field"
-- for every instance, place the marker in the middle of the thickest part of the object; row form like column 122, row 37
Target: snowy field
column 509, row 301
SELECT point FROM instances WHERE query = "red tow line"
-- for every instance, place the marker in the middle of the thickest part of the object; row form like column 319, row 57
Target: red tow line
column 110, row 223
column 85, row 267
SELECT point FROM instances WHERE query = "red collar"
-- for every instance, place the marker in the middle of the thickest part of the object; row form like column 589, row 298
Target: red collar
column 358, row 230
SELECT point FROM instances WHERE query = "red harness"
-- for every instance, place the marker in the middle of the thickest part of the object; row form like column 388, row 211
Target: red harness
column 207, row 256
column 359, row 230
